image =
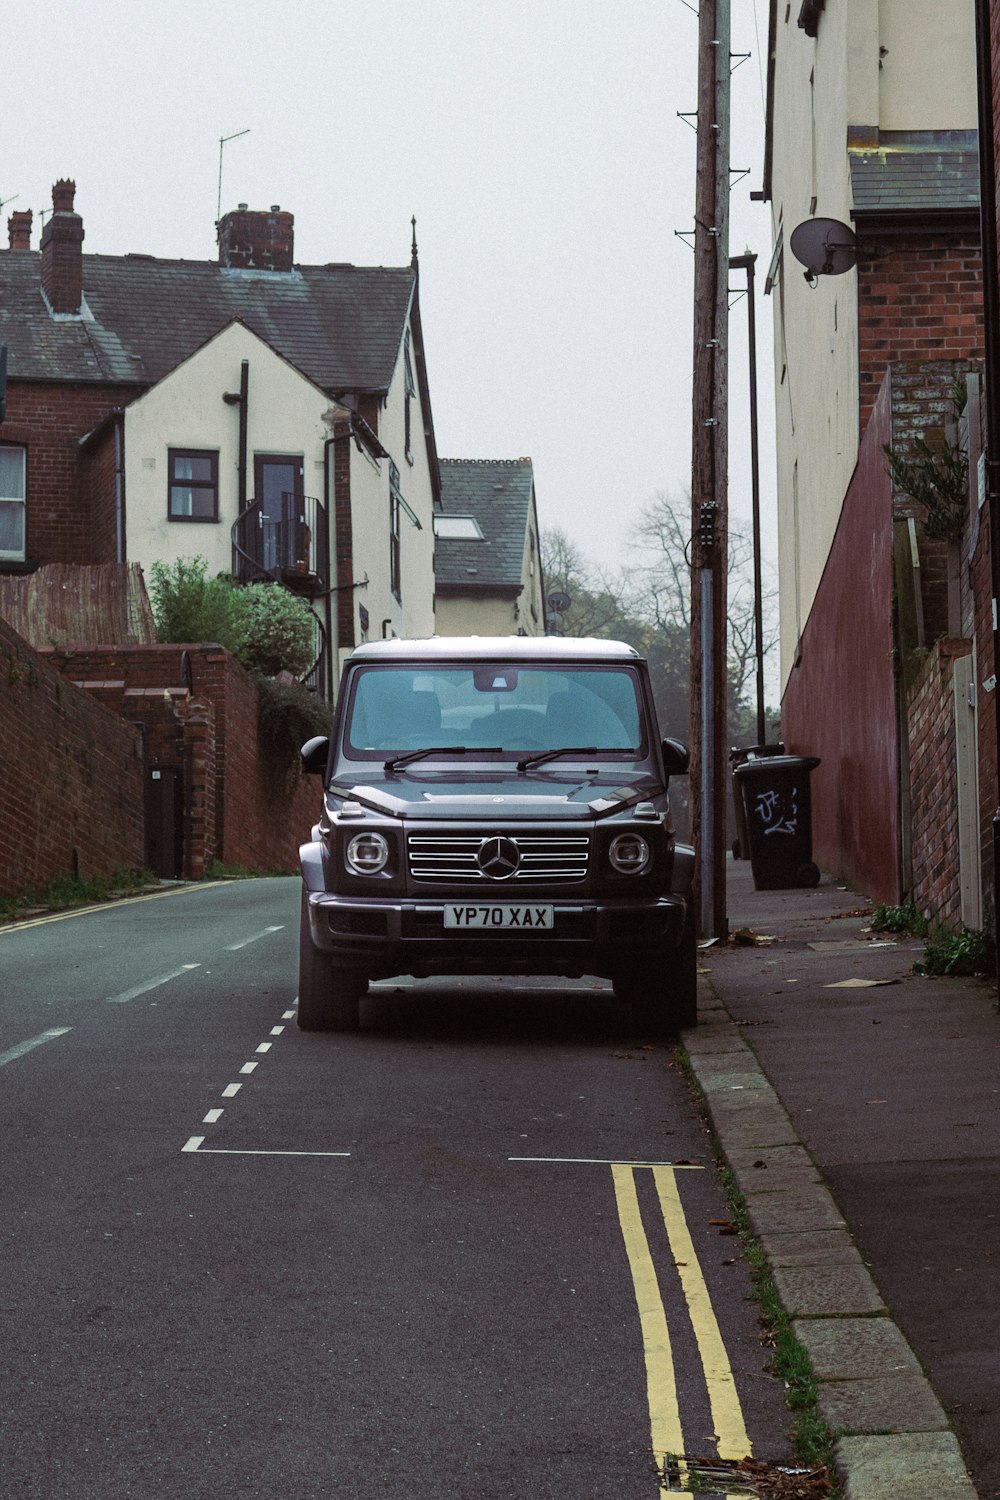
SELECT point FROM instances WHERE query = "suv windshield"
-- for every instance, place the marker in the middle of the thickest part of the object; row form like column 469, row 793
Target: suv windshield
column 402, row 708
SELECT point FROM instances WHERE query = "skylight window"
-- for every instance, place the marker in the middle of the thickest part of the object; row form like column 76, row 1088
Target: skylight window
column 458, row 528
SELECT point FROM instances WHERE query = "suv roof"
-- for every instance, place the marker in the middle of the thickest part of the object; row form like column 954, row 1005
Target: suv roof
column 512, row 647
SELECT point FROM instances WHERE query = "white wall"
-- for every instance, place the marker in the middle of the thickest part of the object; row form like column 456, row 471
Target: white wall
column 285, row 414
column 925, row 80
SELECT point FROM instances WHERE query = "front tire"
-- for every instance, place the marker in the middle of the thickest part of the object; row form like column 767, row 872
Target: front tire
column 664, row 996
column 329, row 998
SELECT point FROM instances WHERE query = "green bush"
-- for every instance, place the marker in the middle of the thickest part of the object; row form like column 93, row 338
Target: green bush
column 288, row 715
column 277, row 630
column 189, row 606
column 266, row 628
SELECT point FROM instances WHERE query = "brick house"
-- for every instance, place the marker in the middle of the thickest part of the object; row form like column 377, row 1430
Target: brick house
column 487, row 566
column 272, row 417
column 886, row 665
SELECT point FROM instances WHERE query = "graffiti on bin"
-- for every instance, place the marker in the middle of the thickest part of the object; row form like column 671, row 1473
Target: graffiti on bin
column 778, row 810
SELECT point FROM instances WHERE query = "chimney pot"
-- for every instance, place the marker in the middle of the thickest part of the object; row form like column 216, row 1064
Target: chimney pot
column 19, row 229
column 256, row 239
column 63, row 193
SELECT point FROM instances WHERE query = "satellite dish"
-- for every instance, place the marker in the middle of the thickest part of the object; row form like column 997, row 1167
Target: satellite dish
column 824, row 246
column 560, row 603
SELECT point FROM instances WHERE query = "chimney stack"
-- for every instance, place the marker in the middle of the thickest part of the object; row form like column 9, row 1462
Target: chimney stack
column 19, row 229
column 62, row 252
column 255, row 240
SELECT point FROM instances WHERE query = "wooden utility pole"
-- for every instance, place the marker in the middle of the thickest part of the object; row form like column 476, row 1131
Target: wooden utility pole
column 709, row 469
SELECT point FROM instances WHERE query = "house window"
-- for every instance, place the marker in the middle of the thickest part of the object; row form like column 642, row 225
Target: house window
column 395, row 508
column 193, row 485
column 13, row 466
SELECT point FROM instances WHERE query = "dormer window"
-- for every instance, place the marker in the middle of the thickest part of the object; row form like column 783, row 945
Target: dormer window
column 458, row 528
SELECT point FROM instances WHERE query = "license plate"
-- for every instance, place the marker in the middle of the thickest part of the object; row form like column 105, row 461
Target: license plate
column 499, row 918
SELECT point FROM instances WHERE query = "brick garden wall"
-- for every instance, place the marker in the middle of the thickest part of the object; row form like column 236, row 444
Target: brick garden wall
column 71, row 793
column 207, row 708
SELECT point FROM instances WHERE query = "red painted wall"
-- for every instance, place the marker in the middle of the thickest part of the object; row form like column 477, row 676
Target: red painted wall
column 840, row 700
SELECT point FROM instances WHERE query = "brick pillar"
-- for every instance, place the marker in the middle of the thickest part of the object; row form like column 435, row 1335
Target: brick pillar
column 19, row 229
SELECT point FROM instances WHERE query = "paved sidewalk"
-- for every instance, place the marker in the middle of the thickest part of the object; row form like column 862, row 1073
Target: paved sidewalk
column 862, row 1125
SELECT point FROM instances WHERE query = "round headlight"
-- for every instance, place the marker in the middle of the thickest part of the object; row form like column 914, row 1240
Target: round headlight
column 629, row 853
column 367, row 853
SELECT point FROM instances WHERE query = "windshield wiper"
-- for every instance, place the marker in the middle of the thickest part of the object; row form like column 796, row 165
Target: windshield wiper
column 537, row 760
column 412, row 755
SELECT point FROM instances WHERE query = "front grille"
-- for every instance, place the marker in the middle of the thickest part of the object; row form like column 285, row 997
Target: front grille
column 544, row 858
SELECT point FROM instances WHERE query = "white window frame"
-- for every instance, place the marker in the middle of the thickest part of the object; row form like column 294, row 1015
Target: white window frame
column 20, row 554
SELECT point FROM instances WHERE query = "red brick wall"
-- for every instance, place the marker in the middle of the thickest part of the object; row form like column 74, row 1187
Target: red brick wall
column 920, row 300
column 70, row 495
column 933, row 784
column 840, row 700
column 247, row 815
column 71, row 793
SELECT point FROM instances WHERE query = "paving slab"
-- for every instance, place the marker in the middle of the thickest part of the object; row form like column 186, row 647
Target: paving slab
column 824, row 1291
column 917, row 1466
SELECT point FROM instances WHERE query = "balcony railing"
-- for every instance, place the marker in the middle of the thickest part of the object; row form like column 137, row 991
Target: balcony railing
column 291, row 549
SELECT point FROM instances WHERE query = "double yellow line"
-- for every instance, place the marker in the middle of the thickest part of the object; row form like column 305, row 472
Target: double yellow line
column 661, row 1379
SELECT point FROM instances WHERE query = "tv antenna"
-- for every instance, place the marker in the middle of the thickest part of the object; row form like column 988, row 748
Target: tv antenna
column 222, row 142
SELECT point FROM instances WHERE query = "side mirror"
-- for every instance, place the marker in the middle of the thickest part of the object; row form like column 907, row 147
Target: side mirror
column 314, row 755
column 676, row 758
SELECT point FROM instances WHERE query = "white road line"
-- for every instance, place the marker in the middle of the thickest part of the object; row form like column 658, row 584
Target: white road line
column 264, row 1047
column 195, row 1144
column 248, row 1067
column 14, row 1053
column 288, row 1015
column 600, row 1161
column 234, row 947
column 231, row 1090
column 153, row 984
column 277, row 1030
column 213, row 1116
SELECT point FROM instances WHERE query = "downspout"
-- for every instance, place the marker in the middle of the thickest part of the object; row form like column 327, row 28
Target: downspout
column 991, row 331
column 241, row 471
column 120, row 486
column 329, row 617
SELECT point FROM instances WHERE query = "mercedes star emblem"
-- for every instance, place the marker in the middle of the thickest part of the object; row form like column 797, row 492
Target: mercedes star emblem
column 498, row 858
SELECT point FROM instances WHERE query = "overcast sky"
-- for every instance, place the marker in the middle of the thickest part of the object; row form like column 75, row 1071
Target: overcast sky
column 538, row 144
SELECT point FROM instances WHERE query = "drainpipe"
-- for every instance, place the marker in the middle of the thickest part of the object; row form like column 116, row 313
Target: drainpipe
column 991, row 322
column 120, row 486
column 241, row 471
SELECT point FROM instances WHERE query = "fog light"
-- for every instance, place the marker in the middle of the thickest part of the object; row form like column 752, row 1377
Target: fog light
column 367, row 853
column 629, row 853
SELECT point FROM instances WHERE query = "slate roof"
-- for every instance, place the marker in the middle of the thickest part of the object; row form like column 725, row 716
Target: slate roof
column 498, row 493
column 925, row 174
column 342, row 326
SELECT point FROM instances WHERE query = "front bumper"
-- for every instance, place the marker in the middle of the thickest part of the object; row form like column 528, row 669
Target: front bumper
column 385, row 937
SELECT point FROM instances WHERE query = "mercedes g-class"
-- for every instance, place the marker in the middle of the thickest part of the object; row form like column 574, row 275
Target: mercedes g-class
column 496, row 806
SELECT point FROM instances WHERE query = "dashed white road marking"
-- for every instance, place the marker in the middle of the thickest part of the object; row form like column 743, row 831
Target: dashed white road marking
column 13, row 1053
column 264, row 1047
column 196, row 1144
column 212, row 1117
column 235, row 947
column 152, row 984
column 231, row 1090
column 277, row 1030
column 248, row 1067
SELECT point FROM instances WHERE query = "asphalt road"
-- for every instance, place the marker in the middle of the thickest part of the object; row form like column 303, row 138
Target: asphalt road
column 474, row 1250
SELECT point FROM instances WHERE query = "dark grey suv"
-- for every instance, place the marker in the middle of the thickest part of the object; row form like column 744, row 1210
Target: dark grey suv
column 496, row 806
